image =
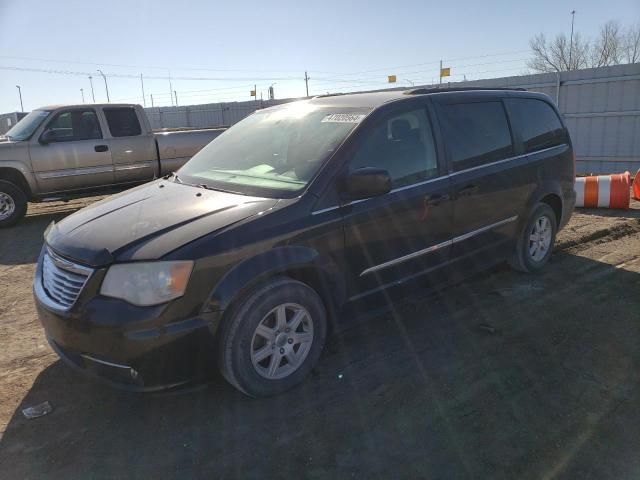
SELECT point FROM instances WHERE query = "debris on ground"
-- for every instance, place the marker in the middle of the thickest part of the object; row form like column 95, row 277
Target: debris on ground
column 487, row 328
column 36, row 411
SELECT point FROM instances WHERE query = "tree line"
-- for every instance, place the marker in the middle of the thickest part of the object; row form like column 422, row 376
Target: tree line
column 613, row 45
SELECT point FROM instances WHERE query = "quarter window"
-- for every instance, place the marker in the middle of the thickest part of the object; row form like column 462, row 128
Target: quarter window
column 75, row 125
column 476, row 133
column 123, row 122
column 403, row 145
column 537, row 122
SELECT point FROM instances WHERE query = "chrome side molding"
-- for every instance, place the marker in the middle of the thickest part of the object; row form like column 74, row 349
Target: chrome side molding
column 433, row 248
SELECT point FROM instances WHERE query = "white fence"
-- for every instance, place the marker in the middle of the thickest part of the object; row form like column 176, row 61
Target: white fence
column 600, row 105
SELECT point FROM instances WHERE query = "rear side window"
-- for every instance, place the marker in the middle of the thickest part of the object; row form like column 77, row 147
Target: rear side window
column 123, row 122
column 537, row 122
column 476, row 133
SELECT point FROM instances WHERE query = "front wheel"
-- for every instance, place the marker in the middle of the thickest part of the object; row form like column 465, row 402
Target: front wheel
column 535, row 243
column 13, row 204
column 273, row 338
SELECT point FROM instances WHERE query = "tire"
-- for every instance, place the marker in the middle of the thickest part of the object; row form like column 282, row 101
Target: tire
column 277, row 356
column 526, row 257
column 13, row 204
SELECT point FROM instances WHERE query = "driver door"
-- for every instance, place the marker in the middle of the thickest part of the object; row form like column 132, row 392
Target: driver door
column 405, row 233
column 75, row 155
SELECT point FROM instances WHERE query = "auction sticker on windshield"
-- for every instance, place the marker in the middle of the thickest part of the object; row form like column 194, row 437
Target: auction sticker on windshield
column 344, row 118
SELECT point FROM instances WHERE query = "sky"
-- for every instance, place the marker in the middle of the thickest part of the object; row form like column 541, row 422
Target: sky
column 210, row 51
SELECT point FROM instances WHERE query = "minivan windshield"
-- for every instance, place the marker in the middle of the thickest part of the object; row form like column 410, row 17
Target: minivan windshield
column 25, row 127
column 273, row 151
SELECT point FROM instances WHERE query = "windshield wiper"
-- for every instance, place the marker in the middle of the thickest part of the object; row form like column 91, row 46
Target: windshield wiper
column 207, row 187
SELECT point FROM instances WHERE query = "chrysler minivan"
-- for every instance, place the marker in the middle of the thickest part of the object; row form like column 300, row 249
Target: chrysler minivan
column 245, row 256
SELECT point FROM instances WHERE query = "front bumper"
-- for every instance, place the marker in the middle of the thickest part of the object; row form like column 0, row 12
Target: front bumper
column 136, row 348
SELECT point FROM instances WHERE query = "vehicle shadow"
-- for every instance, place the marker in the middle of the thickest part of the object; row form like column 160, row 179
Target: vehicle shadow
column 504, row 376
column 21, row 243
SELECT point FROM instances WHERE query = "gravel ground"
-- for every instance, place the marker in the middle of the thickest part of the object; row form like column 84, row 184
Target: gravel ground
column 504, row 376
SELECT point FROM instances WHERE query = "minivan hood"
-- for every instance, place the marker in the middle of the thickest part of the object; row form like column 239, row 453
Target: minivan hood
column 148, row 222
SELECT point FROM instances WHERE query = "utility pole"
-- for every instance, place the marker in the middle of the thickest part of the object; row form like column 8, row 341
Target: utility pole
column 440, row 73
column 93, row 97
column 144, row 100
column 106, row 87
column 306, row 81
column 573, row 17
column 176, row 94
column 82, row 93
column 20, row 94
column 170, row 89
column 152, row 100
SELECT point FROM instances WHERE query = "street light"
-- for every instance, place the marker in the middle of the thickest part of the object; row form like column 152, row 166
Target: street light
column 106, row 87
column 82, row 93
column 20, row 94
column 573, row 17
column 93, row 97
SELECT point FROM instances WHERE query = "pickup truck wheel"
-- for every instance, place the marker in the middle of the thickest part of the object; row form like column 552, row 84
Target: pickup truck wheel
column 273, row 338
column 13, row 204
column 535, row 243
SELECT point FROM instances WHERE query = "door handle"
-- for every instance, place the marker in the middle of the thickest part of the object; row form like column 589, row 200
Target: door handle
column 468, row 190
column 101, row 148
column 436, row 199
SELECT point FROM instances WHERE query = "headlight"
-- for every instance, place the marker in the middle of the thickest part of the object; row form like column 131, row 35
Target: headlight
column 147, row 283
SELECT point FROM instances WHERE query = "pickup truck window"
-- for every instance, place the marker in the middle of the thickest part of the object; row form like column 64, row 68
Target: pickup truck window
column 75, row 125
column 123, row 122
column 476, row 133
column 29, row 124
column 273, row 151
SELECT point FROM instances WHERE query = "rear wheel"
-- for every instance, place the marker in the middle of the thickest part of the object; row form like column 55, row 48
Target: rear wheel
column 13, row 204
column 535, row 244
column 273, row 338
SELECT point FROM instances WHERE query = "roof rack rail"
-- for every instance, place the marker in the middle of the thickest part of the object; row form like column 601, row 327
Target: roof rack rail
column 330, row 95
column 424, row 90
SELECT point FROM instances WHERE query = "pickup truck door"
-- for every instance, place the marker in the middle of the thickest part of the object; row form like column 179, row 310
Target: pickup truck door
column 71, row 152
column 134, row 153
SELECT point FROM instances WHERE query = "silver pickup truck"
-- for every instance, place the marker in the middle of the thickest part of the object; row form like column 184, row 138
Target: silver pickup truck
column 62, row 152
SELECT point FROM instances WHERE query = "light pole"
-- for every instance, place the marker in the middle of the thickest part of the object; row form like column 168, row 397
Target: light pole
column 82, row 93
column 144, row 100
column 272, row 94
column 20, row 94
column 573, row 17
column 106, row 87
column 93, row 97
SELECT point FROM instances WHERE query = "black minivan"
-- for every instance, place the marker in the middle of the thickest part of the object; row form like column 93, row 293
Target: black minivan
column 246, row 254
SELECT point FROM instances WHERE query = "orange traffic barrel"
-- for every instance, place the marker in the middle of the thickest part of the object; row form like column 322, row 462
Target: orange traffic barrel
column 636, row 186
column 603, row 191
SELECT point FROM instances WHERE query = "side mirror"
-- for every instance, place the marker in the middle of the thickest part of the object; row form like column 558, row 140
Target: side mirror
column 47, row 136
column 367, row 182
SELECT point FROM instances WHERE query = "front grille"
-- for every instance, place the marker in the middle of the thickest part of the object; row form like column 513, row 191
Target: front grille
column 63, row 280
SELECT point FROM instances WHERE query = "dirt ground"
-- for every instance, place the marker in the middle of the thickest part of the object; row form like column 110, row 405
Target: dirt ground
column 505, row 376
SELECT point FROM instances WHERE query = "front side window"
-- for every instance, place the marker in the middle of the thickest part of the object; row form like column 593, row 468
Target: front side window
column 403, row 145
column 123, row 122
column 537, row 122
column 273, row 151
column 74, row 125
column 476, row 133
